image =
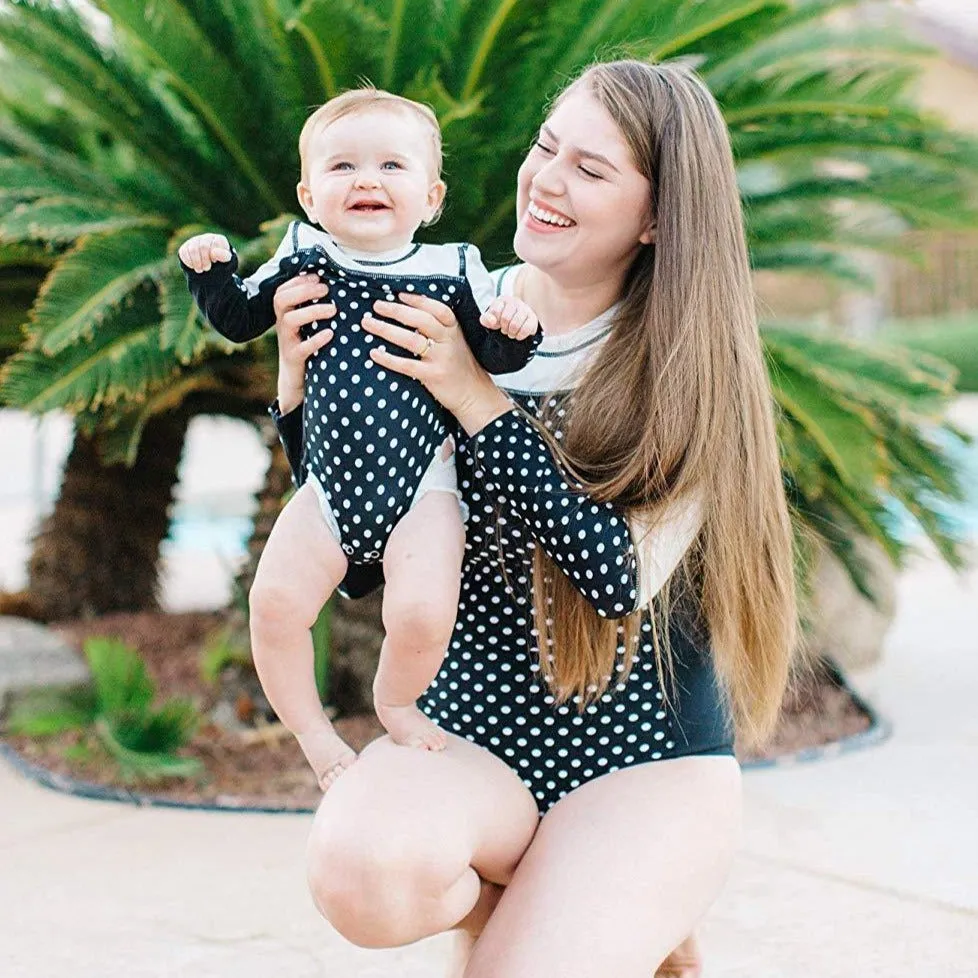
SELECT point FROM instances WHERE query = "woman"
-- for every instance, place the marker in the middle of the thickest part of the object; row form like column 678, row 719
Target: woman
column 586, row 810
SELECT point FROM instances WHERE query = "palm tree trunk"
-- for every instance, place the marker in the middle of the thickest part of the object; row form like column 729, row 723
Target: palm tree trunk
column 98, row 551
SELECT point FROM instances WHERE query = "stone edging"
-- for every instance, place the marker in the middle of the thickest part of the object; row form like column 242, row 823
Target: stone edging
column 878, row 731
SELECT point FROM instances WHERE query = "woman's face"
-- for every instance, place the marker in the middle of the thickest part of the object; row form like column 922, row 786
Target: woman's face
column 582, row 206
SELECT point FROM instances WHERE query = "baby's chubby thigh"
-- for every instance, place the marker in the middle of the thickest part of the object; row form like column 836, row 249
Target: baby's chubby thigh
column 423, row 562
column 301, row 565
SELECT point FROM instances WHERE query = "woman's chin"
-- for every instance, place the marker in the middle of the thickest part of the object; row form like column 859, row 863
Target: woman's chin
column 541, row 250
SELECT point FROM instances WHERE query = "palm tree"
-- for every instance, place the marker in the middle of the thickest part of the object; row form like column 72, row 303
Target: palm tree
column 185, row 116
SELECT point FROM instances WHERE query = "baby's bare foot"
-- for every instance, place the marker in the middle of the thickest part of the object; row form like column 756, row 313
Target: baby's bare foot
column 409, row 727
column 327, row 753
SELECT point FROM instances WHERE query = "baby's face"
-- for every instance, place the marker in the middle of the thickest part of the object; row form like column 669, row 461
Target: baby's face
column 371, row 179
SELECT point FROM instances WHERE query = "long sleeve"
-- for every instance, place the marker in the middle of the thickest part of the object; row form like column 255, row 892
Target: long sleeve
column 290, row 435
column 589, row 541
column 240, row 309
column 496, row 353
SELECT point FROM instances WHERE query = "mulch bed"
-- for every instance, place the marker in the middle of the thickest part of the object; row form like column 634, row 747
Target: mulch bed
column 261, row 767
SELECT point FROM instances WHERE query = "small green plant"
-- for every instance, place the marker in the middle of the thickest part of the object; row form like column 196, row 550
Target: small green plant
column 320, row 646
column 116, row 711
column 221, row 651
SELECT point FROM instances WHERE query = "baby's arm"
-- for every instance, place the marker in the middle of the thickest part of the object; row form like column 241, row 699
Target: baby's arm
column 239, row 309
column 498, row 350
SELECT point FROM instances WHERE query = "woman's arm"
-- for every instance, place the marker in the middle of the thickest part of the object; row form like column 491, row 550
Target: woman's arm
column 618, row 561
column 447, row 367
column 589, row 541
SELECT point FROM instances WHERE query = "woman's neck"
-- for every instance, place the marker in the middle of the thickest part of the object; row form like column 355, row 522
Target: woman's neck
column 564, row 308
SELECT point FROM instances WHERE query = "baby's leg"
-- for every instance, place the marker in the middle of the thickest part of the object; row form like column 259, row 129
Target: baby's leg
column 422, row 567
column 299, row 569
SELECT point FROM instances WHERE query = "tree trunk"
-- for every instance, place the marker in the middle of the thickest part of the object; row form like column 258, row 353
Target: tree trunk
column 356, row 631
column 98, row 551
column 278, row 481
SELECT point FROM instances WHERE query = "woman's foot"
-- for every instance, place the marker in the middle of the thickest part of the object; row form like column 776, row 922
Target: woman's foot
column 327, row 753
column 684, row 962
column 409, row 727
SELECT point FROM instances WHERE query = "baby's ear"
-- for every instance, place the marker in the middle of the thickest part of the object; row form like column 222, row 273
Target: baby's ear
column 305, row 199
column 436, row 198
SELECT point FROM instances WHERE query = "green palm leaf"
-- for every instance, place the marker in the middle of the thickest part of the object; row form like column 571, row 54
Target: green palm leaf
column 61, row 220
column 167, row 35
column 121, row 362
column 90, row 282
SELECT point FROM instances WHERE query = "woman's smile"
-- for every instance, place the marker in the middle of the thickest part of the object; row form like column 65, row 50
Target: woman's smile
column 537, row 214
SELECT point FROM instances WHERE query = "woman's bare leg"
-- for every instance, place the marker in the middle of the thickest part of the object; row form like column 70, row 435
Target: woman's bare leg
column 632, row 860
column 299, row 569
column 684, row 961
column 402, row 841
column 422, row 570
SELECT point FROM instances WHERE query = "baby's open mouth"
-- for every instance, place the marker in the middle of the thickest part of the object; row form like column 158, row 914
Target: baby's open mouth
column 369, row 206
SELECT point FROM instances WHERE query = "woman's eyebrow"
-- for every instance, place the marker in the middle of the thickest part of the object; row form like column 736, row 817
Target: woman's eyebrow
column 586, row 153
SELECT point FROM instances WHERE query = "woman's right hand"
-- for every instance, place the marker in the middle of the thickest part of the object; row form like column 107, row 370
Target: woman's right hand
column 293, row 351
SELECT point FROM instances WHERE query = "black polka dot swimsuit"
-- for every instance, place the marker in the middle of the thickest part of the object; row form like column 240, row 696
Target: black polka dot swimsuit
column 370, row 434
column 489, row 688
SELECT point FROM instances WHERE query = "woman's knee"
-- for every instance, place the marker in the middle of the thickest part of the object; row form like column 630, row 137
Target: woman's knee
column 377, row 887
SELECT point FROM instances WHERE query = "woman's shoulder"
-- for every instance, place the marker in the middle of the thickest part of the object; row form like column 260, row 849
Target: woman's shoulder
column 504, row 279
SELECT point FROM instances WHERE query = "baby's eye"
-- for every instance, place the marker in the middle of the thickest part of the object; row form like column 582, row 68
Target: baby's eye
column 342, row 165
column 390, row 165
column 543, row 147
column 589, row 173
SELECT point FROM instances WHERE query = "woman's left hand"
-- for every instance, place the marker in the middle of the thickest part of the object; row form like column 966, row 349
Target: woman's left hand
column 446, row 366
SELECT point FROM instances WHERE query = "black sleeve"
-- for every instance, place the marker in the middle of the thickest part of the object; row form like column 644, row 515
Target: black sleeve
column 222, row 297
column 290, row 435
column 589, row 541
column 496, row 353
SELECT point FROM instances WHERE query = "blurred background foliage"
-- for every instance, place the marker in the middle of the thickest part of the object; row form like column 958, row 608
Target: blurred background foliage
column 126, row 127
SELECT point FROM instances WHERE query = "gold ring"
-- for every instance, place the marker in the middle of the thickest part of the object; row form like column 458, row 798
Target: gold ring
column 425, row 348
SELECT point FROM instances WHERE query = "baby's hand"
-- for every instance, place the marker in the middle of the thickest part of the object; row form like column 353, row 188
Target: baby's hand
column 200, row 251
column 511, row 316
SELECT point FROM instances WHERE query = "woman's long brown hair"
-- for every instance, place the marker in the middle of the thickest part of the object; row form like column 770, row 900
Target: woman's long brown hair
column 691, row 416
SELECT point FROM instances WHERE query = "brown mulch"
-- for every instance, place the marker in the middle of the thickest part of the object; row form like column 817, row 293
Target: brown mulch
column 263, row 767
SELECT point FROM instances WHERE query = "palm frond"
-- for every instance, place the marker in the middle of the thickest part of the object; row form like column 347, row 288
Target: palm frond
column 119, row 364
column 90, row 282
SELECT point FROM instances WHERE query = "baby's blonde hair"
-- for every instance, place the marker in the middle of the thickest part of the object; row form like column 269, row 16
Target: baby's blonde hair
column 362, row 100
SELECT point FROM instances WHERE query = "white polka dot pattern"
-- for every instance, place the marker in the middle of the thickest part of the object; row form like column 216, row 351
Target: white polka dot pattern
column 489, row 689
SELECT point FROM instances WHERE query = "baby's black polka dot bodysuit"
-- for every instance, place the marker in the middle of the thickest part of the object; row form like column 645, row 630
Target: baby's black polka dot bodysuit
column 370, row 434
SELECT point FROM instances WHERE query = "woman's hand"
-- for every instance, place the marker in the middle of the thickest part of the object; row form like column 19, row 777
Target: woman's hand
column 446, row 366
column 293, row 351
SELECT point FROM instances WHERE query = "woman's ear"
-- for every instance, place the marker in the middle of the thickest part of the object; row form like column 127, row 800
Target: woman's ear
column 305, row 199
column 648, row 235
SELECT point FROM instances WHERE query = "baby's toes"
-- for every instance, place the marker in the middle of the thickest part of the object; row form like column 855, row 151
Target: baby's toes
column 434, row 739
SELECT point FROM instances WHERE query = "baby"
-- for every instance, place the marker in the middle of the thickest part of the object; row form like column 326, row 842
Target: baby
column 381, row 483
